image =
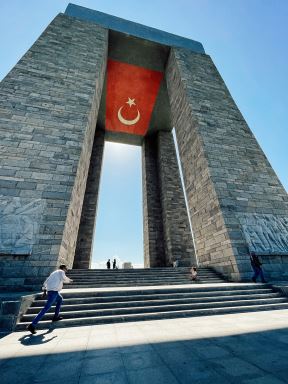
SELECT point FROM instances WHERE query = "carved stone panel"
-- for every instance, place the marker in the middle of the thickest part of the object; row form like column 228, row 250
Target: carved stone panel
column 265, row 234
column 19, row 223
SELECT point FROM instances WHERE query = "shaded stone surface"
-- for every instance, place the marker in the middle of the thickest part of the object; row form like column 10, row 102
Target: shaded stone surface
column 177, row 234
column 243, row 348
column 225, row 171
column 154, row 250
column 167, row 234
column 83, row 253
column 49, row 103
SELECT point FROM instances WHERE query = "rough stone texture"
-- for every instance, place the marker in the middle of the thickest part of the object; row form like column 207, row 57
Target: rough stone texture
column 154, row 251
column 177, row 234
column 19, row 224
column 226, row 173
column 89, row 210
column 12, row 307
column 167, row 235
column 49, row 104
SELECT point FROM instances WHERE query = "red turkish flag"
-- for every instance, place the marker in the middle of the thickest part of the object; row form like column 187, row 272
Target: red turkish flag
column 130, row 97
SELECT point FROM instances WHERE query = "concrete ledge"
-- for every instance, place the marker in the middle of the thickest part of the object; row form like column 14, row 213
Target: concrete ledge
column 12, row 307
column 281, row 286
column 131, row 28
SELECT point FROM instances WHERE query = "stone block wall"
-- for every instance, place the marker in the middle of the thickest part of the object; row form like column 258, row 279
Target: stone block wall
column 227, row 176
column 89, row 211
column 154, row 250
column 167, row 235
column 48, row 111
column 177, row 234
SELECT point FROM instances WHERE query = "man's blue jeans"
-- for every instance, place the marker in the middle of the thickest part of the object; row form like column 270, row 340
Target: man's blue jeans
column 258, row 271
column 52, row 297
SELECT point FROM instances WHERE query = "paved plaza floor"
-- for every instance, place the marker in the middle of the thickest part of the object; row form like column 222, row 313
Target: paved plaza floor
column 250, row 348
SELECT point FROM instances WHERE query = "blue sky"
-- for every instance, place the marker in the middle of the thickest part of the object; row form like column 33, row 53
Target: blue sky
column 247, row 40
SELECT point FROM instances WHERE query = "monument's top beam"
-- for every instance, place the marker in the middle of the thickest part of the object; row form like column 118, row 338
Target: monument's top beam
column 134, row 29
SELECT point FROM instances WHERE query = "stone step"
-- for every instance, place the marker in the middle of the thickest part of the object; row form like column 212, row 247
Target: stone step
column 120, row 272
column 117, row 274
column 143, row 278
column 90, row 297
column 154, row 315
column 133, row 284
column 137, row 270
column 104, row 279
column 158, row 290
column 158, row 308
column 90, row 304
column 140, row 281
column 129, row 274
column 124, row 277
column 37, row 286
column 134, row 277
column 148, row 302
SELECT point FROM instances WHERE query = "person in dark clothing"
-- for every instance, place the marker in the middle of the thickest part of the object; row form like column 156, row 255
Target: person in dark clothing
column 114, row 264
column 256, row 265
column 108, row 264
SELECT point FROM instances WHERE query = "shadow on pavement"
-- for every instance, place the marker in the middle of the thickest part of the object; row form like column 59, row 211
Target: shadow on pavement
column 36, row 339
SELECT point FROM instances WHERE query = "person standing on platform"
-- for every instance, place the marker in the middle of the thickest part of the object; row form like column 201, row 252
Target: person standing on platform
column 53, row 285
column 256, row 265
column 176, row 264
column 114, row 264
column 193, row 272
column 108, row 264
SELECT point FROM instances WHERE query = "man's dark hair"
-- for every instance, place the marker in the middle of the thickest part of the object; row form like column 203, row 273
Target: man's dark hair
column 63, row 266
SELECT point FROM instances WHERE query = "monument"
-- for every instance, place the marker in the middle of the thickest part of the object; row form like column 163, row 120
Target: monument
column 92, row 77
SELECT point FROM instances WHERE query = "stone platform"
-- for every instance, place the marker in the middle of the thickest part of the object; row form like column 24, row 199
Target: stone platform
column 241, row 348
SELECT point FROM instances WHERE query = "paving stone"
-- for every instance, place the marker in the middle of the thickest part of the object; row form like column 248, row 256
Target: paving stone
column 140, row 360
column 267, row 379
column 236, row 367
column 102, row 364
column 159, row 375
column 171, row 361
column 105, row 378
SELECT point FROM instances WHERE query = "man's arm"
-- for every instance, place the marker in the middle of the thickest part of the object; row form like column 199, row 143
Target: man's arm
column 44, row 286
column 44, row 289
column 65, row 278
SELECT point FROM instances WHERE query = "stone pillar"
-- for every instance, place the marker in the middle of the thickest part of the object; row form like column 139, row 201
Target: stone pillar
column 230, row 184
column 49, row 106
column 84, row 246
column 154, row 252
column 177, row 233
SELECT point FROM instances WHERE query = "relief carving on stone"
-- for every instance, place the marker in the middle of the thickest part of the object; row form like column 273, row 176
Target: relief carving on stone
column 19, row 223
column 265, row 234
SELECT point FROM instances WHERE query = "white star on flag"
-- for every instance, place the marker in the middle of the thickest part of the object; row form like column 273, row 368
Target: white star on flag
column 130, row 102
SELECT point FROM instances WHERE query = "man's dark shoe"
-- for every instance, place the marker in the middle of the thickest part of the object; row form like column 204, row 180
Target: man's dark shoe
column 57, row 318
column 31, row 328
column 253, row 279
column 264, row 281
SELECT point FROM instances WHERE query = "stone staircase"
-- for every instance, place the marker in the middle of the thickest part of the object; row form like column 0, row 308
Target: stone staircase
column 102, row 278
column 135, row 299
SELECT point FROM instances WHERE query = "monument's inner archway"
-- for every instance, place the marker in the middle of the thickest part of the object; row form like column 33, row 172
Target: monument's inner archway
column 119, row 222
column 134, row 109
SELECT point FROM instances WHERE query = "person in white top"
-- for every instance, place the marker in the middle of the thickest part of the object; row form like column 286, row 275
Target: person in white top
column 193, row 272
column 53, row 285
